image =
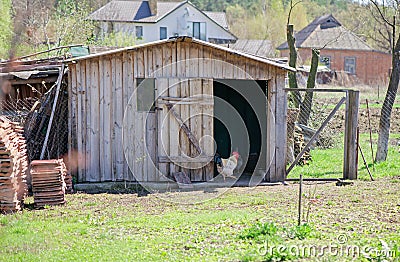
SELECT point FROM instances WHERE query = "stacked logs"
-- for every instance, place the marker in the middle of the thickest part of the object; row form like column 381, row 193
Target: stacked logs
column 299, row 144
column 50, row 182
column 67, row 176
column 13, row 166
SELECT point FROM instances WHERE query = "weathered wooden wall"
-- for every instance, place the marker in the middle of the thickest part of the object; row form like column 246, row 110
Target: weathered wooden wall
column 101, row 88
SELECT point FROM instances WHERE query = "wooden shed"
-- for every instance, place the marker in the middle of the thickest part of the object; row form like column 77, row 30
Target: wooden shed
column 144, row 112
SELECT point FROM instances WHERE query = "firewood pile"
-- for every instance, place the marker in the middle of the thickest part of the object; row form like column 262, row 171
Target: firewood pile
column 299, row 144
column 50, row 182
column 13, row 166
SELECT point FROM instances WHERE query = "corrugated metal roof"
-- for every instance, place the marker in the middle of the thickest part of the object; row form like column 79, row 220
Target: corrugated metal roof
column 188, row 39
column 326, row 31
column 262, row 48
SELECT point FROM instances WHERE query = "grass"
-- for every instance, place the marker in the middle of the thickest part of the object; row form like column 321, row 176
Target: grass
column 230, row 227
column 328, row 163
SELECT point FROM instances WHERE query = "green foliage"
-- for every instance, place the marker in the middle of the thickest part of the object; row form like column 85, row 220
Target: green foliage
column 5, row 27
column 259, row 230
column 116, row 40
column 299, row 232
column 70, row 23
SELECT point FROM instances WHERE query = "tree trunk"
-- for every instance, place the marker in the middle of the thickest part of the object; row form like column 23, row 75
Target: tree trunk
column 292, row 62
column 386, row 112
column 305, row 106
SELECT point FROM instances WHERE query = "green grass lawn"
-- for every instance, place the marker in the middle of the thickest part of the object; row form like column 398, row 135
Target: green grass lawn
column 328, row 163
column 125, row 227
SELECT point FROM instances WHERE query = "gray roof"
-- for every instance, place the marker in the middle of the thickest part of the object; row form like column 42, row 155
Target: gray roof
column 139, row 11
column 327, row 32
column 218, row 17
column 132, row 11
column 261, row 48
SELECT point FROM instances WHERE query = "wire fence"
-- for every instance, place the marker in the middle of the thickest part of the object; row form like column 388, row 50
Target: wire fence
column 326, row 155
column 34, row 115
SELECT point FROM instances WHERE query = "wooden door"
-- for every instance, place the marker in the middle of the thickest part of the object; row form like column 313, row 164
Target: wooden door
column 185, row 110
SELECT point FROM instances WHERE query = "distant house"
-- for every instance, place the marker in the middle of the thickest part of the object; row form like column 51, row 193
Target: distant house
column 151, row 20
column 341, row 50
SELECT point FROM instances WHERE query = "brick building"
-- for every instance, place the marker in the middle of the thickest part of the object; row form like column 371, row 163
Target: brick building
column 341, row 50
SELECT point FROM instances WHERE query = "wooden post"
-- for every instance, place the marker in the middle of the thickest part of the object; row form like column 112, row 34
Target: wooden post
column 300, row 196
column 350, row 164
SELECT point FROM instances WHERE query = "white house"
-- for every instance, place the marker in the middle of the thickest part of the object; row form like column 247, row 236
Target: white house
column 152, row 20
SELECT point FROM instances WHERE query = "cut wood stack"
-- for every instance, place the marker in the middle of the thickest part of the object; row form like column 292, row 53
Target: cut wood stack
column 67, row 177
column 299, row 145
column 48, row 184
column 13, row 166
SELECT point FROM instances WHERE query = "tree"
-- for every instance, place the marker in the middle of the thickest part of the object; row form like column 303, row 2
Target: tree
column 291, row 40
column 5, row 27
column 386, row 111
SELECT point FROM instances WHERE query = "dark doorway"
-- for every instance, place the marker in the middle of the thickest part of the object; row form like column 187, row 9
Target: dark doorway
column 239, row 117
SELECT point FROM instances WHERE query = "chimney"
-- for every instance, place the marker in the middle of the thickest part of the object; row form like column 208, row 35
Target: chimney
column 153, row 7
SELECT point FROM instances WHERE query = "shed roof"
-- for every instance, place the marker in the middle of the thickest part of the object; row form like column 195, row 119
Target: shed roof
column 327, row 32
column 187, row 39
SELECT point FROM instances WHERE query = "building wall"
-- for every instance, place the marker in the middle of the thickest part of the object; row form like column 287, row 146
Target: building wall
column 102, row 97
column 372, row 67
column 176, row 23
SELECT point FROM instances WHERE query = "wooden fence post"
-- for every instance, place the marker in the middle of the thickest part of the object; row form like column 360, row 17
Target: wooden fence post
column 350, row 164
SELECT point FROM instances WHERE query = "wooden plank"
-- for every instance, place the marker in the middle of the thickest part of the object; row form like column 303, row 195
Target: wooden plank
column 151, row 139
column 88, row 112
column 162, row 128
column 181, row 60
column 118, row 158
column 174, row 60
column 185, row 114
column 149, row 62
column 280, row 128
column 107, row 122
column 158, row 60
column 185, row 159
column 80, row 122
column 166, row 66
column 131, row 125
column 72, row 107
column 140, row 67
column 139, row 149
column 207, row 63
column 174, row 91
column 129, row 112
column 94, row 120
column 350, row 164
column 207, row 143
column 193, row 62
column 102, row 86
column 195, row 127
column 271, row 107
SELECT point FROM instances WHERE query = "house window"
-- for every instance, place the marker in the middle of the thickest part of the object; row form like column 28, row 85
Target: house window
column 350, row 65
column 145, row 94
column 163, row 33
column 139, row 31
column 326, row 61
column 199, row 31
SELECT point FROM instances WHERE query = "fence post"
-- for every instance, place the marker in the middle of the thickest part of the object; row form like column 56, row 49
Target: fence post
column 350, row 163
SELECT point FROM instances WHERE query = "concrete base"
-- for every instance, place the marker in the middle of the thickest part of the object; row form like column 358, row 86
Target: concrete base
column 145, row 187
